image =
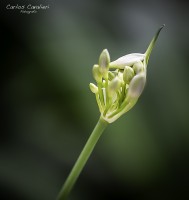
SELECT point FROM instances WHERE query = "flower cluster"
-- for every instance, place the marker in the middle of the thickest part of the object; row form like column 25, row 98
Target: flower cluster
column 121, row 82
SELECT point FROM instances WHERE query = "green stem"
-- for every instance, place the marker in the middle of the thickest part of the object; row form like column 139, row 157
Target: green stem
column 81, row 161
column 107, row 97
column 101, row 96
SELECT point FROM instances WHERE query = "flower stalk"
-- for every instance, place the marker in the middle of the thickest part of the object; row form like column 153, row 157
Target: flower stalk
column 82, row 159
column 119, row 86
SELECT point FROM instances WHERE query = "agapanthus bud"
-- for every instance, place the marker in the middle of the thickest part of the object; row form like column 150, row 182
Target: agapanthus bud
column 121, row 82
column 111, row 75
column 96, row 74
column 114, row 86
column 128, row 74
column 138, row 67
column 104, row 61
column 127, row 60
column 136, row 86
column 93, row 88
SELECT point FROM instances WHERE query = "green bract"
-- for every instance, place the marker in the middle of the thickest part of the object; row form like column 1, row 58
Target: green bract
column 121, row 82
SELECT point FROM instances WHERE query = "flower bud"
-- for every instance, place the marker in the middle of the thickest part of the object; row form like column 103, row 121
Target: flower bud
column 96, row 74
column 127, row 60
column 111, row 75
column 136, row 86
column 104, row 61
column 121, row 82
column 93, row 88
column 138, row 67
column 114, row 86
column 128, row 74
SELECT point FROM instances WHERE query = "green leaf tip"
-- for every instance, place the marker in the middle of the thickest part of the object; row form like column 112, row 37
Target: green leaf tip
column 152, row 44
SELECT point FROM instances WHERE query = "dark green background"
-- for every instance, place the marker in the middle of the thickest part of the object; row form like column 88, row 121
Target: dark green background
column 48, row 111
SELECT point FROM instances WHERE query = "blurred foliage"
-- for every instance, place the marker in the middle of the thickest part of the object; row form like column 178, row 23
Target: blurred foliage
column 49, row 112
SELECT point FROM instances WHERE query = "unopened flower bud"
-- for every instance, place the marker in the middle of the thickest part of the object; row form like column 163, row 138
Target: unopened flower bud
column 136, row 86
column 93, row 88
column 138, row 67
column 104, row 61
column 114, row 86
column 127, row 60
column 111, row 75
column 128, row 74
column 121, row 82
column 96, row 74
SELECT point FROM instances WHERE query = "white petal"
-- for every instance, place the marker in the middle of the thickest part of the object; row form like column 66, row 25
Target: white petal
column 128, row 60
